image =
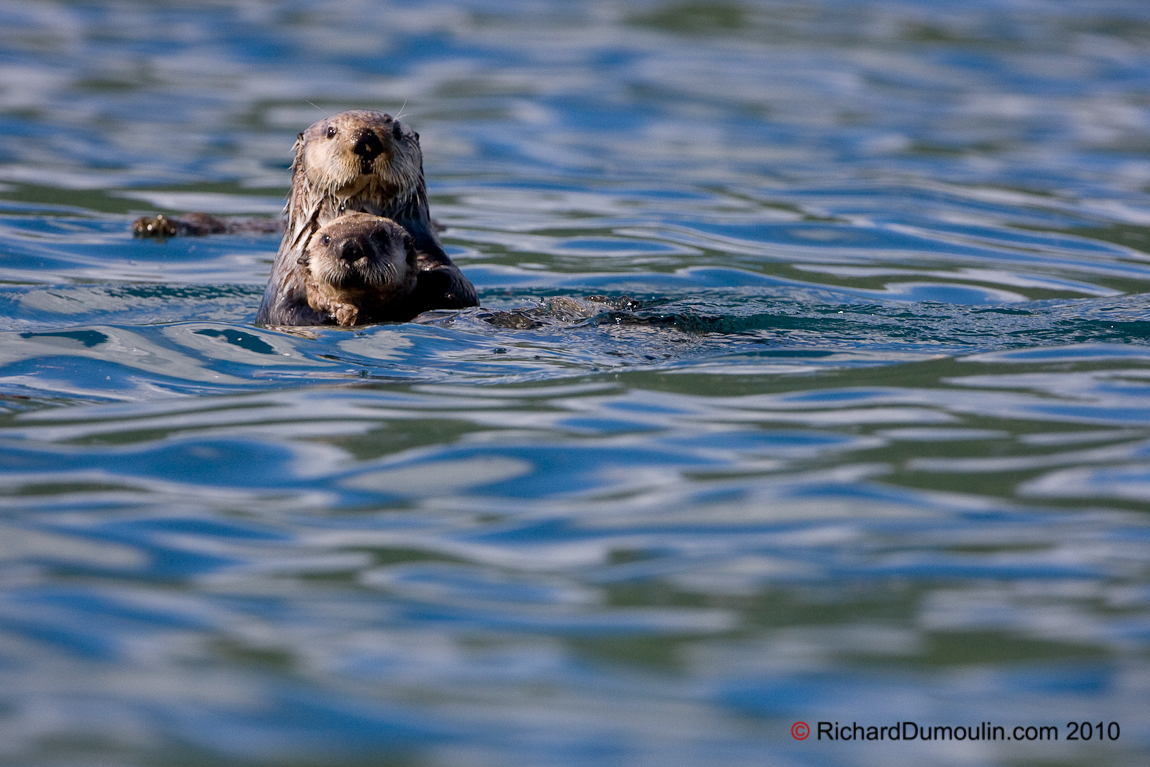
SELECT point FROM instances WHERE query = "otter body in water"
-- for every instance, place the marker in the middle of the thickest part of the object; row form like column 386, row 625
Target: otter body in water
column 368, row 162
column 360, row 268
column 196, row 224
column 355, row 161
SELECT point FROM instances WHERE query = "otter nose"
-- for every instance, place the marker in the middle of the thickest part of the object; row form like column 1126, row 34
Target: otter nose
column 368, row 146
column 351, row 251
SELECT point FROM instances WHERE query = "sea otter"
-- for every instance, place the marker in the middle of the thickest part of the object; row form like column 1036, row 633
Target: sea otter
column 360, row 268
column 358, row 160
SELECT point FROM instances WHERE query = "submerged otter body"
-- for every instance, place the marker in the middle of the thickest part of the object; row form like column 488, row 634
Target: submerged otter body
column 369, row 162
column 199, row 224
column 359, row 269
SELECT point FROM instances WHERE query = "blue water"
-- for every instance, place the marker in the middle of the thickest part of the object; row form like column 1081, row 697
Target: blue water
column 871, row 442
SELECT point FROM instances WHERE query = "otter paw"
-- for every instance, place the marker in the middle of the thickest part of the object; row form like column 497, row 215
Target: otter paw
column 346, row 315
column 158, row 226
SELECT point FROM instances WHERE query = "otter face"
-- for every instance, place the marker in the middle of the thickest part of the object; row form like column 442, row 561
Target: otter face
column 359, row 153
column 359, row 268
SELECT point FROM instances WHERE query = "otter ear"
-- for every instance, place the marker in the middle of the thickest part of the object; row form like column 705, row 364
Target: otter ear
column 297, row 152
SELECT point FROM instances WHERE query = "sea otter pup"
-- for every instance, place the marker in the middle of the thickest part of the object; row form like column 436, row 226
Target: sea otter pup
column 361, row 268
column 359, row 161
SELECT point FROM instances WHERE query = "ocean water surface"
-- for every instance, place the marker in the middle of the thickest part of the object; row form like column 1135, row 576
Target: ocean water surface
column 861, row 435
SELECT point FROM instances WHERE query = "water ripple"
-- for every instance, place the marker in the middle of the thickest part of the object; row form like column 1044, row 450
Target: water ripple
column 850, row 423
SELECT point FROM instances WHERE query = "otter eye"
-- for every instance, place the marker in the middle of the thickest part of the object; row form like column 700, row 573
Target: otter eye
column 331, row 131
column 326, row 239
column 342, row 207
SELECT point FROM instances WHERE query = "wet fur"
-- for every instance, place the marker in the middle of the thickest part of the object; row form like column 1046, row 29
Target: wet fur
column 359, row 269
column 329, row 180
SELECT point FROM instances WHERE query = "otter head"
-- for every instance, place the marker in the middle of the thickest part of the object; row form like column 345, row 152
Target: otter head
column 358, row 160
column 347, row 152
column 360, row 268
